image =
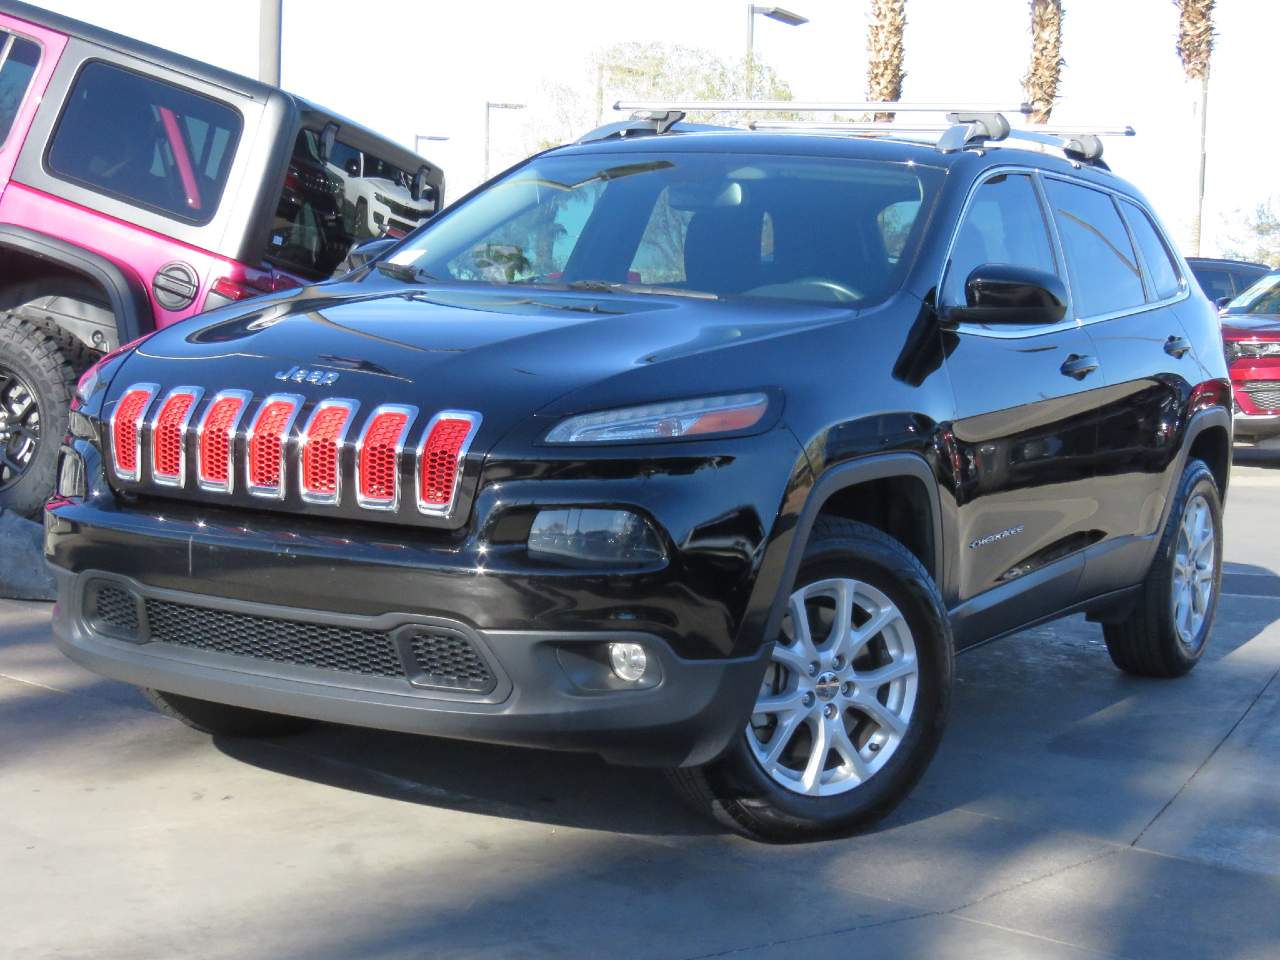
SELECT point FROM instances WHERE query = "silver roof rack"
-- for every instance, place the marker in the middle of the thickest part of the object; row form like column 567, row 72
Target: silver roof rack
column 969, row 126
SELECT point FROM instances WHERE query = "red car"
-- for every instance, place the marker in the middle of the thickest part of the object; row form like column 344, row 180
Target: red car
column 1251, row 335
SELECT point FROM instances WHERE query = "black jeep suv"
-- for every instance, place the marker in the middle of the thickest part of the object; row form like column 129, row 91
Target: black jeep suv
column 702, row 449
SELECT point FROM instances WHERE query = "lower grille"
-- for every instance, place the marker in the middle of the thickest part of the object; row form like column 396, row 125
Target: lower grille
column 437, row 657
column 266, row 638
column 448, row 660
column 1264, row 393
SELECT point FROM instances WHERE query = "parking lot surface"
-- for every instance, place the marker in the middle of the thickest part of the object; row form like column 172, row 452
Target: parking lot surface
column 1071, row 812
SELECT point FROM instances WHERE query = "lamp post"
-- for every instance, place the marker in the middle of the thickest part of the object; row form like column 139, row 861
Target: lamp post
column 489, row 107
column 773, row 13
column 270, row 17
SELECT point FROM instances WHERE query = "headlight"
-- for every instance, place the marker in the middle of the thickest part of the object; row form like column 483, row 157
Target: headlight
column 660, row 421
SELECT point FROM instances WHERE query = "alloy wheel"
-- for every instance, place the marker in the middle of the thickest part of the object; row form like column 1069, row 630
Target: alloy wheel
column 19, row 427
column 1194, row 569
column 838, row 696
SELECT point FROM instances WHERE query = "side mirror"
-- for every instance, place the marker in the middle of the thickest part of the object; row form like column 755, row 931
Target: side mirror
column 328, row 137
column 1004, row 293
column 1221, row 302
column 419, row 188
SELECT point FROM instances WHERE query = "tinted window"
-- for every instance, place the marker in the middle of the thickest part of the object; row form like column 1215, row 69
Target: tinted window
column 20, row 60
column 1262, row 298
column 146, row 141
column 1004, row 224
column 1160, row 266
column 313, row 229
column 1104, row 270
column 791, row 228
column 1215, row 283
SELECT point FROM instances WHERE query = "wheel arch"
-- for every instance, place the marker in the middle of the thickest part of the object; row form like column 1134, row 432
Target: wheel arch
column 836, row 493
column 27, row 255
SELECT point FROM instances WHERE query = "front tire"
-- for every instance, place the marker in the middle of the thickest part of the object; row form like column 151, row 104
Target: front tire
column 853, row 704
column 1166, row 634
column 221, row 719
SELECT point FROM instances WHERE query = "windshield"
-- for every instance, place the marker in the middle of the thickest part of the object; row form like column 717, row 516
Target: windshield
column 797, row 228
column 1263, row 297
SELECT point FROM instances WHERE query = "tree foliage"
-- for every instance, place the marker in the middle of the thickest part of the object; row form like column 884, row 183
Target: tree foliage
column 1195, row 36
column 1257, row 235
column 1040, row 85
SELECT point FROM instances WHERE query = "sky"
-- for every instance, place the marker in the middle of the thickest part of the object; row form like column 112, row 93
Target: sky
column 427, row 67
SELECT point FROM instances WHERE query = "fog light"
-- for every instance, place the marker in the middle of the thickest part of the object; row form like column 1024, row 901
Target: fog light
column 628, row 661
column 597, row 536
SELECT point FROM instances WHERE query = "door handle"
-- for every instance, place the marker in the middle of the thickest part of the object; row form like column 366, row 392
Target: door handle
column 1177, row 347
column 1078, row 366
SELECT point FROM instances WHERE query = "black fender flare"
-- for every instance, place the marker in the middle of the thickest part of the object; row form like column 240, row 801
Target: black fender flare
column 1198, row 424
column 876, row 467
column 129, row 301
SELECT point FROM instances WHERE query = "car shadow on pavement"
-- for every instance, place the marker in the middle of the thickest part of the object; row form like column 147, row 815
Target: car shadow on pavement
column 565, row 789
column 1268, row 458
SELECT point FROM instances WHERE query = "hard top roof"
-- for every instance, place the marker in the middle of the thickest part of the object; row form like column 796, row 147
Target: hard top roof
column 229, row 80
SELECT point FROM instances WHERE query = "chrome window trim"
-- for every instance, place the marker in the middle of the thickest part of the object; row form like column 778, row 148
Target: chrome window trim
column 245, row 398
column 180, row 480
column 1071, row 322
column 134, row 475
column 276, row 492
column 444, row 510
column 340, row 441
column 411, row 413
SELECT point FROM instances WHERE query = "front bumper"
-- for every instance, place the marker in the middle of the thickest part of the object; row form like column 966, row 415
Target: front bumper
column 550, row 689
column 1256, row 426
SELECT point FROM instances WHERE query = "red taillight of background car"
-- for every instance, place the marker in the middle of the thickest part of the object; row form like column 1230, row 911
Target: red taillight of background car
column 378, row 462
column 321, row 442
column 168, row 436
column 440, row 459
column 214, row 469
column 268, row 437
column 126, row 429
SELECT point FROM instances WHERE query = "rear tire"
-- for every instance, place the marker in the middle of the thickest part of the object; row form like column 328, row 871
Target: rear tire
column 221, row 719
column 843, row 761
column 1168, row 630
column 38, row 374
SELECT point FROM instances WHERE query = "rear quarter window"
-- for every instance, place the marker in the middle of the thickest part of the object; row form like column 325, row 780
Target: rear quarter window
column 145, row 141
column 18, row 61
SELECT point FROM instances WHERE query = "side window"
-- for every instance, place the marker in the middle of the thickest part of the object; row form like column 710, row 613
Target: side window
column 1165, row 282
column 1004, row 224
column 309, row 234
column 18, row 61
column 145, row 141
column 1104, row 269
column 1216, row 284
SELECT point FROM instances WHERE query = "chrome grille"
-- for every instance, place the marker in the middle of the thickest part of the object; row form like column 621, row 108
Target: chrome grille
column 1264, row 393
column 241, row 447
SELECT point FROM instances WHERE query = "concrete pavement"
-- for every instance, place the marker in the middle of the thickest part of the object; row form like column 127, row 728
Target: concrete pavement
column 1072, row 812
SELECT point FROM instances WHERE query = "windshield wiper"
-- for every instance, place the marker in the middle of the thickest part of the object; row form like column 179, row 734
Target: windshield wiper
column 402, row 271
column 607, row 286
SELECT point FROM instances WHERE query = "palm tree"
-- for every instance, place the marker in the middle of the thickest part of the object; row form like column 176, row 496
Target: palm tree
column 1040, row 85
column 884, row 51
column 1195, row 44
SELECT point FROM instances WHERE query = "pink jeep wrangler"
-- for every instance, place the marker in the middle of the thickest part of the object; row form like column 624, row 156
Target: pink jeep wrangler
column 137, row 188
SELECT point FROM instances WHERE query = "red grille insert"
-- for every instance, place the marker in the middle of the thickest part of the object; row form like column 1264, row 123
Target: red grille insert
column 320, row 455
column 167, row 436
column 215, row 441
column 266, row 446
column 379, row 478
column 124, row 430
column 438, row 467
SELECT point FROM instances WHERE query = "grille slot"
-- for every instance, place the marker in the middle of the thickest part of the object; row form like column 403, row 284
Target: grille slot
column 112, row 610
column 1264, row 393
column 449, row 660
column 345, row 649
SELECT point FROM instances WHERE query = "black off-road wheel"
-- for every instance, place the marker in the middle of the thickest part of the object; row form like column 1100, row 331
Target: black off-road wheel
column 853, row 703
column 222, row 719
column 1166, row 634
column 38, row 372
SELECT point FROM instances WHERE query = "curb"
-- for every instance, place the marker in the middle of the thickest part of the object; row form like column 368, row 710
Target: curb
column 23, row 575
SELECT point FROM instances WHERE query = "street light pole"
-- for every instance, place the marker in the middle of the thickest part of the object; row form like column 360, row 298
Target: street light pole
column 489, row 107
column 786, row 17
column 430, row 138
column 270, row 17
